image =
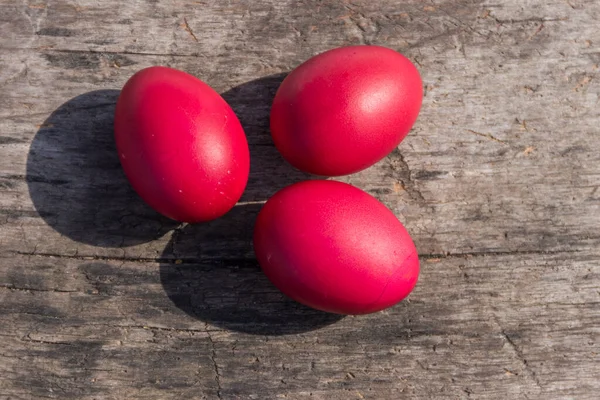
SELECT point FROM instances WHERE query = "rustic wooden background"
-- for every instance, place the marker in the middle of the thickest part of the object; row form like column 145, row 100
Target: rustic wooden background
column 101, row 298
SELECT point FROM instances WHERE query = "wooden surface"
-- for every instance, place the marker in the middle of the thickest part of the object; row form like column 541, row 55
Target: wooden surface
column 498, row 183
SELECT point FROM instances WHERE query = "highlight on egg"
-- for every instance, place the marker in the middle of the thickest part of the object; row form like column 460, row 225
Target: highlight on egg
column 333, row 247
column 345, row 109
column 181, row 145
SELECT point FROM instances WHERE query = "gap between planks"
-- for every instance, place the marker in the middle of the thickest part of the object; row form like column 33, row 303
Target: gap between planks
column 184, row 260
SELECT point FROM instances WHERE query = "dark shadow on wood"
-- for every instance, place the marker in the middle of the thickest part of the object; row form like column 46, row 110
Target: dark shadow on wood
column 236, row 295
column 269, row 172
column 78, row 187
column 76, row 181
column 219, row 280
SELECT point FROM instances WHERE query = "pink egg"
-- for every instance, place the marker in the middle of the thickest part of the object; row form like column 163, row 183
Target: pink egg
column 335, row 248
column 345, row 109
column 181, row 145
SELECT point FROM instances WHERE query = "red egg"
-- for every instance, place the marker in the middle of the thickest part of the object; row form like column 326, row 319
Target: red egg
column 181, row 145
column 345, row 109
column 335, row 248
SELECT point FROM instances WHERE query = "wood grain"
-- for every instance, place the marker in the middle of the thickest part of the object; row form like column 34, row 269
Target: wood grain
column 101, row 298
column 503, row 326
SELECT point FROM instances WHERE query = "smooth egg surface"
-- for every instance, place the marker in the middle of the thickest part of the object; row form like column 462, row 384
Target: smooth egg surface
column 343, row 110
column 181, row 145
column 335, row 248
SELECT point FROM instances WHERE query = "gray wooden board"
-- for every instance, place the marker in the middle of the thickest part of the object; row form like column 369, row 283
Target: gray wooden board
column 499, row 326
column 101, row 298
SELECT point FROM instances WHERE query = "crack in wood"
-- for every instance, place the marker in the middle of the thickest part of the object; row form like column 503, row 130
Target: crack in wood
column 90, row 51
column 521, row 357
column 29, row 339
column 30, row 289
column 252, row 263
column 213, row 357
column 487, row 136
column 189, row 30
column 433, row 256
column 403, row 174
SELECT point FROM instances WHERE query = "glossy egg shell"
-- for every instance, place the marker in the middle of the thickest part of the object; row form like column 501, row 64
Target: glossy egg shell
column 343, row 110
column 181, row 145
column 335, row 248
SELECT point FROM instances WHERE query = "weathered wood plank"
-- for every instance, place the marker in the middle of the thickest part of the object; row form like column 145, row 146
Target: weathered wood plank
column 506, row 326
column 501, row 172
column 474, row 168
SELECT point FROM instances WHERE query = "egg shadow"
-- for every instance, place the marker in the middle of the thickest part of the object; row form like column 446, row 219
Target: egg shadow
column 76, row 182
column 209, row 270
